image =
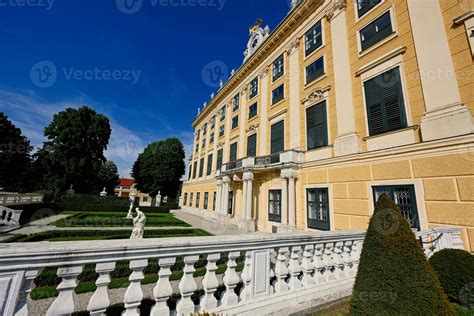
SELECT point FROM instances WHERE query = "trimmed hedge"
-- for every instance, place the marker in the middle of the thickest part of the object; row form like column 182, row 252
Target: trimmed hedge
column 394, row 276
column 113, row 208
column 455, row 270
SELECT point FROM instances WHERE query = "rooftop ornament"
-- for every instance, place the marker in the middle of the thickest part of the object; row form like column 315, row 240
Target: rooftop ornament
column 258, row 35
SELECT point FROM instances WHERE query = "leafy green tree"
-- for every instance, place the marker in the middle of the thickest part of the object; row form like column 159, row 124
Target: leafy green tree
column 15, row 159
column 74, row 151
column 160, row 167
column 394, row 276
column 108, row 177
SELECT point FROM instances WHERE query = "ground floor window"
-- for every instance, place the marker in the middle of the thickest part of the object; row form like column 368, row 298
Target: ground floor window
column 198, row 197
column 214, row 201
column 405, row 198
column 191, row 199
column 274, row 206
column 185, row 202
column 206, row 200
column 318, row 208
column 230, row 210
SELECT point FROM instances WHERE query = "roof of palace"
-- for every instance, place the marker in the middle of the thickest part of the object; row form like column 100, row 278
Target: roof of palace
column 124, row 182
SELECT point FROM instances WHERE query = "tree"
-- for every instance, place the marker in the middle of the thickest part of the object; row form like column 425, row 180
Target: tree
column 160, row 167
column 108, row 176
column 74, row 151
column 15, row 159
column 394, row 276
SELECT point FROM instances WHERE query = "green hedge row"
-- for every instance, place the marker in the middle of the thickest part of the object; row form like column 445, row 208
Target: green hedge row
column 93, row 199
column 112, row 208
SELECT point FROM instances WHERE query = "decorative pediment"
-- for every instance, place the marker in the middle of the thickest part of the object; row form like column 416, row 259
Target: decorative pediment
column 258, row 35
column 252, row 128
column 316, row 96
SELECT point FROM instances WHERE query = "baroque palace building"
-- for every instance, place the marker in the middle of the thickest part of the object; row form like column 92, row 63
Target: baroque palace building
column 344, row 100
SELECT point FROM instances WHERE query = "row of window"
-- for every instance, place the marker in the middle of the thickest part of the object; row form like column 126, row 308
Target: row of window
column 197, row 203
column 318, row 210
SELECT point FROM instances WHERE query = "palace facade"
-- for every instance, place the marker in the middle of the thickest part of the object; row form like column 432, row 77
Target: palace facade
column 344, row 100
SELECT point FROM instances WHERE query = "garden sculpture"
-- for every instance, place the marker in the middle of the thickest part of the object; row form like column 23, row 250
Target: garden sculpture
column 138, row 225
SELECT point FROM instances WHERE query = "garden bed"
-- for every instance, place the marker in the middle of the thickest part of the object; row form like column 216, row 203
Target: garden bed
column 115, row 219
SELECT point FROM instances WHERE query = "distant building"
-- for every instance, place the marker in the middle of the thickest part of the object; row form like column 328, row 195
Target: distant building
column 124, row 188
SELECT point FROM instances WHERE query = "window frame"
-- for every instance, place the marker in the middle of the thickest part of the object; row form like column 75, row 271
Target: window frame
column 201, row 167
column 248, row 142
column 209, row 164
column 253, row 114
column 236, row 102
column 185, row 198
column 360, row 16
column 274, row 217
column 389, row 37
column 315, row 79
column 191, row 199
column 195, row 169
column 206, row 201
column 306, row 53
column 320, row 103
column 275, row 67
column 253, row 88
column 211, row 138
column 219, row 159
column 221, row 131
column 198, row 198
column 222, row 113
column 235, row 122
column 282, row 98
column 214, row 199
column 315, row 223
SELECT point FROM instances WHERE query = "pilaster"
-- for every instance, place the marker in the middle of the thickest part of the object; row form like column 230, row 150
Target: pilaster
column 294, row 77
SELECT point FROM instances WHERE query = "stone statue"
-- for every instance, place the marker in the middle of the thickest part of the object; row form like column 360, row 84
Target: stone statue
column 70, row 191
column 130, row 212
column 138, row 225
column 104, row 192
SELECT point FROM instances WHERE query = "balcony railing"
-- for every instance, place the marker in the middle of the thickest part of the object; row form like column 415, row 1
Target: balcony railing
column 11, row 198
column 283, row 158
column 281, row 273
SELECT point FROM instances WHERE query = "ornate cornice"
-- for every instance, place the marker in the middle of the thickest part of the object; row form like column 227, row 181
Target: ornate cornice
column 317, row 95
column 334, row 7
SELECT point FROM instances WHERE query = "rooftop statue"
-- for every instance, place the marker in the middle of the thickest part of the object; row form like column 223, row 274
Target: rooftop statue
column 258, row 35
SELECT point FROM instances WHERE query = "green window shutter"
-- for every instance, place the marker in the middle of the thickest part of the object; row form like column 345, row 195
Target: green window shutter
column 209, row 164
column 316, row 124
column 233, row 152
column 219, row 159
column 194, row 170
column 278, row 137
column 385, row 104
column 201, row 167
column 252, row 145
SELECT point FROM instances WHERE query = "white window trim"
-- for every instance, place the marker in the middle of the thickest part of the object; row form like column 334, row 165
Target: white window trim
column 324, row 75
column 284, row 64
column 382, row 42
column 356, row 10
column 323, row 39
column 331, row 205
column 419, row 194
column 397, row 61
column 284, row 95
column 326, row 98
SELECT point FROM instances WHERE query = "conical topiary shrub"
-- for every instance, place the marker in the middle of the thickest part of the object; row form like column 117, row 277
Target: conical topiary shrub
column 394, row 276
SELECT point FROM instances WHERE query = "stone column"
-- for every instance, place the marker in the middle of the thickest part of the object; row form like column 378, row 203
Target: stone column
column 225, row 195
column 241, row 153
column 284, row 200
column 248, row 177
column 294, row 74
column 445, row 115
column 244, row 198
column 291, row 202
column 218, row 196
column 262, row 133
column 347, row 141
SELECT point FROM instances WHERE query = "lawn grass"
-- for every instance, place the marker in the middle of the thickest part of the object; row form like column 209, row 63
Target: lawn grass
column 115, row 219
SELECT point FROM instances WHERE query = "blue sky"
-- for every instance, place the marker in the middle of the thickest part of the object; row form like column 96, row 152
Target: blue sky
column 143, row 63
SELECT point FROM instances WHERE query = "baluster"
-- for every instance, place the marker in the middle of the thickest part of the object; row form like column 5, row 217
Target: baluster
column 349, row 267
column 247, row 277
column 187, row 286
column 210, row 283
column 273, row 256
column 339, row 272
column 100, row 301
column 22, row 306
column 134, row 294
column 329, row 261
column 294, row 268
column 281, row 271
column 163, row 289
column 356, row 249
column 231, row 280
column 307, row 266
column 64, row 304
column 318, row 262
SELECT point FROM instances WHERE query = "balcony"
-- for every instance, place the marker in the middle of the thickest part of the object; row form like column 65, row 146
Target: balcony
column 282, row 274
column 273, row 161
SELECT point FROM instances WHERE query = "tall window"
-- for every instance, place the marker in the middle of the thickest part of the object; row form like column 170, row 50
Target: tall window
column 233, row 152
column 198, row 134
column 213, row 121
column 252, row 145
column 364, row 6
column 316, row 126
column 235, row 121
column 253, row 110
column 214, row 201
column 253, row 88
column 405, row 198
column 185, row 202
column 278, row 67
column 236, row 102
column 313, row 38
column 209, row 164
column 385, row 104
column 190, row 170
column 198, row 197
column 204, row 129
column 203, row 145
column 315, row 70
column 376, row 31
column 201, row 167
column 211, row 137
column 191, row 200
column 274, row 206
column 278, row 94
column 318, row 209
column 221, row 130
column 195, row 169
column 222, row 113
column 230, row 210
column 206, row 200
column 219, row 159
column 278, row 137
column 197, row 147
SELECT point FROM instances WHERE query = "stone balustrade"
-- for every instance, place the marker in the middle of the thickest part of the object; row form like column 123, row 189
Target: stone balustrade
column 11, row 198
column 282, row 273
column 9, row 217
